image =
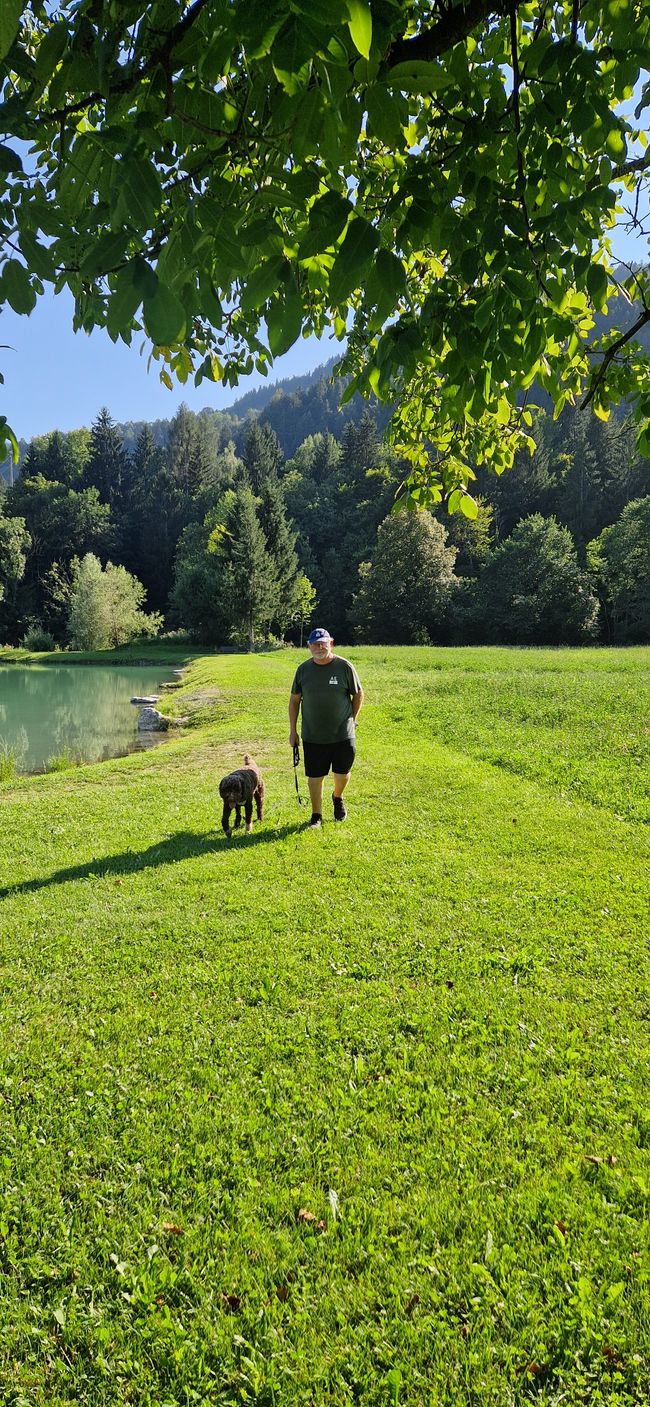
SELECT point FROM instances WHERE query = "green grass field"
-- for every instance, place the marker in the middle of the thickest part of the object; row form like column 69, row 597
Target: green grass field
column 339, row 1117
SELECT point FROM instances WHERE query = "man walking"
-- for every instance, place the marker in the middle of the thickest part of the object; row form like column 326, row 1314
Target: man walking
column 327, row 688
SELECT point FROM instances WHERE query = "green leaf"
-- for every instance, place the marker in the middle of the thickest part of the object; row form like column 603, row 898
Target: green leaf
column 50, row 51
column 105, row 254
column 7, row 437
column 469, row 506
column 264, row 281
column 353, row 258
column 387, row 115
column 284, row 320
column 10, row 12
column 291, row 57
column 138, row 194
column 615, row 145
column 327, row 220
column 144, row 277
column 164, row 317
column 643, row 442
column 597, row 286
column 308, row 124
column 9, row 160
column 360, row 26
column 17, row 288
column 418, row 76
column 470, row 264
column 386, row 282
column 39, row 258
column 123, row 302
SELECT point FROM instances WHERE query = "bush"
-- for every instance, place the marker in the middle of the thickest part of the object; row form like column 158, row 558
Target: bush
column 61, row 761
column 38, row 639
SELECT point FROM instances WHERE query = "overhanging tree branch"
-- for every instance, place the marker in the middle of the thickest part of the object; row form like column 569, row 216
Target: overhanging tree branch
column 611, row 352
column 159, row 57
column 455, row 25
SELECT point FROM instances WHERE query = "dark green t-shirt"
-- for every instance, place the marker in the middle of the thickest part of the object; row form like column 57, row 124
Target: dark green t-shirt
column 326, row 691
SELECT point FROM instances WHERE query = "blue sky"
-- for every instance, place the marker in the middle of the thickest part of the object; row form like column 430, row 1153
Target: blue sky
column 56, row 379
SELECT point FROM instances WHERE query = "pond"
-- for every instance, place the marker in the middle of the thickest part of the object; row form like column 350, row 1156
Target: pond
column 85, row 710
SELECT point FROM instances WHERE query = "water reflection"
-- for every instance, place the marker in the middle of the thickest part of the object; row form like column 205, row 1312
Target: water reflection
column 82, row 709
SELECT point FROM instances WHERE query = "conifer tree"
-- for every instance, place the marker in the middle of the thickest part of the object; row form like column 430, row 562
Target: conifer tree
column 578, row 485
column 281, row 545
column 253, row 584
column 327, row 455
column 262, row 457
column 107, row 467
column 189, row 456
column 151, row 520
column 359, row 450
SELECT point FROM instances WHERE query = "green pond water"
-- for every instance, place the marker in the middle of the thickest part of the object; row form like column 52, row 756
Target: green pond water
column 86, row 709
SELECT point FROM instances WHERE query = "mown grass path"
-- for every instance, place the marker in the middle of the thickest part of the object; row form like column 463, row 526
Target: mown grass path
column 357, row 1116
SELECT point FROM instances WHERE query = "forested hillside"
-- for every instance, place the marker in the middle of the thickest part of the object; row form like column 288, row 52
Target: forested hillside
column 242, row 525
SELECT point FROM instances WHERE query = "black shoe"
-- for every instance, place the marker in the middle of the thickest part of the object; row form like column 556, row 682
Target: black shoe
column 340, row 812
column 316, row 820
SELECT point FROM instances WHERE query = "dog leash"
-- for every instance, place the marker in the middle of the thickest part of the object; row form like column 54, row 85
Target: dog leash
column 296, row 760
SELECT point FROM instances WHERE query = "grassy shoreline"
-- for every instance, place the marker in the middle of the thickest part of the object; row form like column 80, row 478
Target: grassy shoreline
column 139, row 652
column 358, row 1116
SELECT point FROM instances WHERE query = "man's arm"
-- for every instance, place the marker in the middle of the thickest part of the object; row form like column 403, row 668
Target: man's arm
column 357, row 704
column 294, row 709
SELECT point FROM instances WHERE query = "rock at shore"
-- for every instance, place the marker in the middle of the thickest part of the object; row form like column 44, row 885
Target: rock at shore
column 152, row 721
column 146, row 699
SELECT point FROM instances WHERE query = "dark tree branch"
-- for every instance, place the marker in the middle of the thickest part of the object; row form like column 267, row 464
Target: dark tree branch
column 455, row 25
column 641, row 290
column 574, row 21
column 611, row 352
column 516, row 81
column 641, row 164
column 160, row 56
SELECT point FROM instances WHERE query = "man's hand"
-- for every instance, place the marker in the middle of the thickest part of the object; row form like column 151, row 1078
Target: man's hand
column 293, row 738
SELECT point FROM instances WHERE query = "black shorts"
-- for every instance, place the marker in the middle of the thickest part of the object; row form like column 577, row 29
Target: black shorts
column 319, row 757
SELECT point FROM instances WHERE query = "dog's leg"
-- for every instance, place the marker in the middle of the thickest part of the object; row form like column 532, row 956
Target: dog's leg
column 237, row 817
column 248, row 812
column 259, row 799
column 225, row 818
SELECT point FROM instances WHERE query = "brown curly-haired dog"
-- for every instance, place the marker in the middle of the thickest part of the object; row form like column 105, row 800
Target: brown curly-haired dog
column 242, row 788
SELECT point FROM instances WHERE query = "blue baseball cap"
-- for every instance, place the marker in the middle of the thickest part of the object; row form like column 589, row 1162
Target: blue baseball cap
column 318, row 634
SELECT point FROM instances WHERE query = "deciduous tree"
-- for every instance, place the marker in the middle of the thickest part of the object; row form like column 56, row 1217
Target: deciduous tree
column 532, row 590
column 106, row 607
column 406, row 589
column 620, row 560
column 14, row 546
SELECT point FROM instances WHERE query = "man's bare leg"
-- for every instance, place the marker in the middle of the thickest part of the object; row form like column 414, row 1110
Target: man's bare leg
column 340, row 780
column 315, row 785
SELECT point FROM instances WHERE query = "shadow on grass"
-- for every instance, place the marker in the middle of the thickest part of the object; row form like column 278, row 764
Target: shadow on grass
column 184, row 845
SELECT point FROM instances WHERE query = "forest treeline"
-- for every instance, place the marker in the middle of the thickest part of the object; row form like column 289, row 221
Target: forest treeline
column 240, row 530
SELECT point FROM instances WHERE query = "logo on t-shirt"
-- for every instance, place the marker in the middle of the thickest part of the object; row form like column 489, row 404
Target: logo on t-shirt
column 333, row 679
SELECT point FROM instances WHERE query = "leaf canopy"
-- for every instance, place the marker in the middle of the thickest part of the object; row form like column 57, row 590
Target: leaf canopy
column 437, row 183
